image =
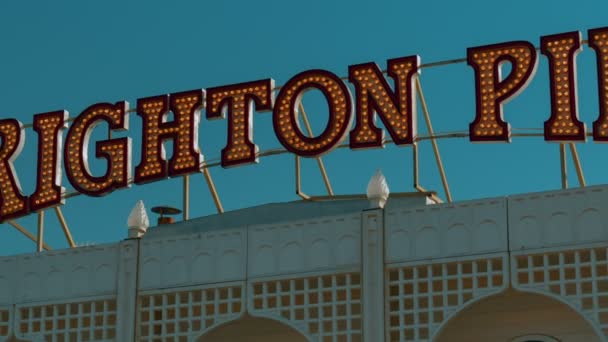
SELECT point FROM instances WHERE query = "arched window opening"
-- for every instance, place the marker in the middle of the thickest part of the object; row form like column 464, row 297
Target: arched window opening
column 532, row 318
column 535, row 338
column 253, row 329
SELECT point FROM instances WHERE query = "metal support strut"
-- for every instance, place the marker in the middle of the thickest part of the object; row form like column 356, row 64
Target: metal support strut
column 40, row 237
column 330, row 191
column 429, row 126
column 186, row 199
column 64, row 227
column 211, row 185
column 27, row 234
column 564, row 165
column 577, row 165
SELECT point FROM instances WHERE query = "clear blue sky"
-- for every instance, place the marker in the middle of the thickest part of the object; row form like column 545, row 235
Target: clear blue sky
column 71, row 54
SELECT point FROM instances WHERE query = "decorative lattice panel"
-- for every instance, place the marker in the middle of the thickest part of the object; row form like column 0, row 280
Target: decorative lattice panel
column 327, row 307
column 79, row 321
column 579, row 277
column 178, row 316
column 422, row 296
column 4, row 323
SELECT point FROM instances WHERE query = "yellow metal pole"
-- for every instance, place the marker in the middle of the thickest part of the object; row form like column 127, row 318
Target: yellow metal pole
column 562, row 159
column 577, row 165
column 427, row 118
column 64, row 226
column 40, row 237
column 26, row 233
column 211, row 185
column 330, row 191
column 186, row 199
column 298, row 180
column 415, row 157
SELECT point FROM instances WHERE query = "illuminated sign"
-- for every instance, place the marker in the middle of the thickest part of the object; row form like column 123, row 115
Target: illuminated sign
column 372, row 97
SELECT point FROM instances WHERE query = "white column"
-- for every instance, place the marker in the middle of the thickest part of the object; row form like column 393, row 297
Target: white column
column 372, row 274
column 127, row 290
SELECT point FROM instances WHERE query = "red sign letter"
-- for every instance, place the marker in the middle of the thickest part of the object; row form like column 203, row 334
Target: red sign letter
column 396, row 109
column 49, row 191
column 117, row 152
column 285, row 121
column 598, row 40
column 236, row 101
column 492, row 91
column 183, row 130
column 12, row 201
column 561, row 49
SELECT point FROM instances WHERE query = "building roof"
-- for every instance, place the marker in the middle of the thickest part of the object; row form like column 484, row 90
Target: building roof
column 283, row 212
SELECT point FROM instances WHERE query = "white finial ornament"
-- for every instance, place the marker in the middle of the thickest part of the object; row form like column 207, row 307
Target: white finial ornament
column 377, row 190
column 138, row 221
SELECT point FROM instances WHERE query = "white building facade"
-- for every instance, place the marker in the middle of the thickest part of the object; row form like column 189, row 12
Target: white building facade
column 530, row 267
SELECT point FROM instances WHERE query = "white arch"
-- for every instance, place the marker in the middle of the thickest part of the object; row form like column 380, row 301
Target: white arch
column 289, row 327
column 474, row 300
column 282, row 320
column 198, row 335
column 540, row 338
column 590, row 324
column 564, row 300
